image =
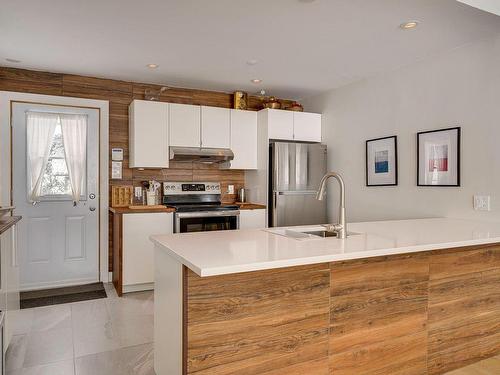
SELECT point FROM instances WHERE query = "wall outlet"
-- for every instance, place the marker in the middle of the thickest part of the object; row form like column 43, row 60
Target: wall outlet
column 482, row 203
column 230, row 189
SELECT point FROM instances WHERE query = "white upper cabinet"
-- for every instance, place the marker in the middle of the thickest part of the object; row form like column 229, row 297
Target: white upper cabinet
column 185, row 125
column 293, row 126
column 148, row 134
column 244, row 139
column 307, row 126
column 215, row 127
column 280, row 124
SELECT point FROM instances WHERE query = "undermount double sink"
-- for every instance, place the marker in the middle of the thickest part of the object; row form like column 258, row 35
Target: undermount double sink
column 304, row 233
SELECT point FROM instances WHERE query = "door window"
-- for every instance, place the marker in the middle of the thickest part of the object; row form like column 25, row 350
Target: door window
column 55, row 181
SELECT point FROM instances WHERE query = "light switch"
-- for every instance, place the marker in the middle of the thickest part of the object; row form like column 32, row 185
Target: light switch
column 230, row 189
column 117, row 154
column 482, row 203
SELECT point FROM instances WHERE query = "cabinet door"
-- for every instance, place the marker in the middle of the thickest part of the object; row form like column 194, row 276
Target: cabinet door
column 184, row 125
column 307, row 126
column 253, row 219
column 138, row 250
column 4, row 263
column 215, row 127
column 244, row 139
column 280, row 124
column 10, row 282
column 148, row 134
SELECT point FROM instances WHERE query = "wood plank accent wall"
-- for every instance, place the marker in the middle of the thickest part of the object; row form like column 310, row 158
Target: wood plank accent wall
column 120, row 94
column 424, row 313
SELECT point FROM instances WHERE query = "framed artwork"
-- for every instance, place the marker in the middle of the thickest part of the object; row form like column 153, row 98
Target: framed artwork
column 382, row 161
column 438, row 157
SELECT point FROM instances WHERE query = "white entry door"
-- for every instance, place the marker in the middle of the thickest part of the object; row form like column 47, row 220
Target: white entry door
column 58, row 241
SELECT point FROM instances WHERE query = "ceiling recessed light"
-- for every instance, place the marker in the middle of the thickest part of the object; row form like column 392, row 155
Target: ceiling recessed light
column 13, row 60
column 152, row 66
column 256, row 81
column 409, row 25
column 252, row 62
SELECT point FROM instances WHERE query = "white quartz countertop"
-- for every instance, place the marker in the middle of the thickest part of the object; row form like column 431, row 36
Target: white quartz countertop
column 226, row 252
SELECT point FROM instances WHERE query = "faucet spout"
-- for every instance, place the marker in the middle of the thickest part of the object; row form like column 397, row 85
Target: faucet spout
column 341, row 227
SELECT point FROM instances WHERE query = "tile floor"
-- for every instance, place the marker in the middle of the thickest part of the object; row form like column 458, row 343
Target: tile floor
column 112, row 336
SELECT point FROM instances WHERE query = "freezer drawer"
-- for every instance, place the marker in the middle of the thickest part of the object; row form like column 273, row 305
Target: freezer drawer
column 297, row 208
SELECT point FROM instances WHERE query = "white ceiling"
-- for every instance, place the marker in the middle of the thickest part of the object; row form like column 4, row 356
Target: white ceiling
column 303, row 47
column 492, row 6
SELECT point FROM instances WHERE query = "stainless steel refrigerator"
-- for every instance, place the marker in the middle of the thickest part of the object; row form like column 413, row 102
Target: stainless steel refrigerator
column 295, row 172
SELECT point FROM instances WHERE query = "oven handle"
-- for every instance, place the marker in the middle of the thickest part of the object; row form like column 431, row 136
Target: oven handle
column 182, row 215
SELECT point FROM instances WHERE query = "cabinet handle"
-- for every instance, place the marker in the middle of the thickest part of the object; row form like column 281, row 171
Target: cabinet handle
column 14, row 246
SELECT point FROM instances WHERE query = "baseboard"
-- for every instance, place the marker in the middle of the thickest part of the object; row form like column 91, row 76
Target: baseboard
column 57, row 284
column 138, row 287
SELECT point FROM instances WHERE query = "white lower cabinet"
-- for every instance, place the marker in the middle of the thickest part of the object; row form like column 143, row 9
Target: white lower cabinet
column 9, row 291
column 253, row 219
column 138, row 250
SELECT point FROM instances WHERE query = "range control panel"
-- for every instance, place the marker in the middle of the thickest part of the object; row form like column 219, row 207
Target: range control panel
column 177, row 188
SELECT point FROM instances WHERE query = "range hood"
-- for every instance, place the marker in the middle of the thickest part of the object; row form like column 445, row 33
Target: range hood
column 201, row 155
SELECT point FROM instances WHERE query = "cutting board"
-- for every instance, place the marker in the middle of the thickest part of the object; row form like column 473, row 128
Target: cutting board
column 121, row 195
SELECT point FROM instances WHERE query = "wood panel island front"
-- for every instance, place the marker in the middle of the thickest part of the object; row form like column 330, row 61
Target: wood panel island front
column 400, row 297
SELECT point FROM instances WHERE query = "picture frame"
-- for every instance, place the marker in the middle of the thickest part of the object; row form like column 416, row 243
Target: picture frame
column 382, row 161
column 438, row 157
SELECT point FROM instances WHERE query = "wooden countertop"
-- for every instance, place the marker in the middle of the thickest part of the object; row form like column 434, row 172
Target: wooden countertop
column 250, row 206
column 8, row 221
column 146, row 209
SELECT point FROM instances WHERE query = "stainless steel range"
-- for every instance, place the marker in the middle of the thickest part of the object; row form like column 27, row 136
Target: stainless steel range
column 199, row 208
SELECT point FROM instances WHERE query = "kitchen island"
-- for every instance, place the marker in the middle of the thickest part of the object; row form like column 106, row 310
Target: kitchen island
column 396, row 297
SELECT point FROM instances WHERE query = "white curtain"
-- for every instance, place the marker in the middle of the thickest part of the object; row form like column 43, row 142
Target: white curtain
column 40, row 128
column 74, row 133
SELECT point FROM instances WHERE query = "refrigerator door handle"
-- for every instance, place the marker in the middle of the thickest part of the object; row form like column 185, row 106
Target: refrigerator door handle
column 296, row 192
column 275, row 208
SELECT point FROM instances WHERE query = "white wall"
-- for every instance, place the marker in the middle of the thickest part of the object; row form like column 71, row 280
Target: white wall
column 457, row 88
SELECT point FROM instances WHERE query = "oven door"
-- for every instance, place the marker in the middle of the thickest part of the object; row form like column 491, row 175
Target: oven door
column 206, row 221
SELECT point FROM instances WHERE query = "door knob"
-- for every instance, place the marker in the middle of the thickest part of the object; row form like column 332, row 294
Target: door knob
column 92, row 208
column 92, row 196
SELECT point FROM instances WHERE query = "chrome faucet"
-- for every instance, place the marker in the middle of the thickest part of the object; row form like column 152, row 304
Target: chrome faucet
column 341, row 228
